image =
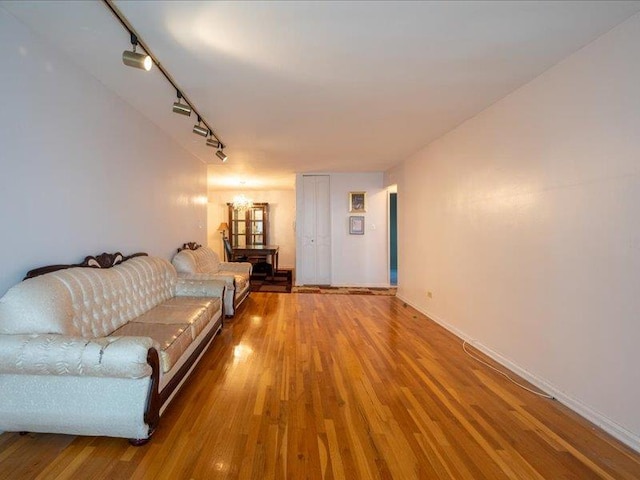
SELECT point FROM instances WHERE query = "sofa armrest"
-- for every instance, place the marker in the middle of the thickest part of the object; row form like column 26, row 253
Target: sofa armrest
column 52, row 354
column 236, row 267
column 199, row 287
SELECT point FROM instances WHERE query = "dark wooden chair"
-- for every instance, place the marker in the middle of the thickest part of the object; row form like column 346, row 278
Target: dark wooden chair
column 229, row 252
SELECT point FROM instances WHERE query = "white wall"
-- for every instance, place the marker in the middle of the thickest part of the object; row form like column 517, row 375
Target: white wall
column 523, row 222
column 81, row 172
column 357, row 260
column 282, row 214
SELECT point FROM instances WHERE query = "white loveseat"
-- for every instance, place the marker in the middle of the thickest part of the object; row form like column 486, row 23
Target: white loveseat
column 196, row 262
column 101, row 351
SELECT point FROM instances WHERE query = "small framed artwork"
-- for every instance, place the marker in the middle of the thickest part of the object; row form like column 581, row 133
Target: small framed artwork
column 356, row 225
column 357, row 202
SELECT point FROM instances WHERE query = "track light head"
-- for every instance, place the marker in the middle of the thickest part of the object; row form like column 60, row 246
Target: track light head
column 181, row 108
column 200, row 130
column 220, row 154
column 212, row 142
column 137, row 60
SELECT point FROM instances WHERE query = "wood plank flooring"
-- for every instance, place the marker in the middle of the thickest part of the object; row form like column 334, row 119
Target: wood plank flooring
column 340, row 387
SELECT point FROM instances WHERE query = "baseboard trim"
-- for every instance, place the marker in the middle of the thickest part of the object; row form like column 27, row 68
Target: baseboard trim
column 619, row 432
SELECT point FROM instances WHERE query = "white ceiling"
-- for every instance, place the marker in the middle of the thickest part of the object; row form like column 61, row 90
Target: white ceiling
column 320, row 86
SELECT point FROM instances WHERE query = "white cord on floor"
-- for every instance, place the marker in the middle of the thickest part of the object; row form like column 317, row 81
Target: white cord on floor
column 541, row 394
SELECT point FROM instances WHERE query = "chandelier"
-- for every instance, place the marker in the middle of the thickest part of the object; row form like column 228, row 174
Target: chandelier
column 240, row 202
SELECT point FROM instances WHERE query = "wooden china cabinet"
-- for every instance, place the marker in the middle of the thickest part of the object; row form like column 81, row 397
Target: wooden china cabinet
column 248, row 226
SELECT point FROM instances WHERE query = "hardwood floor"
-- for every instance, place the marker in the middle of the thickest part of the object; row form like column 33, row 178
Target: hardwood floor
column 335, row 386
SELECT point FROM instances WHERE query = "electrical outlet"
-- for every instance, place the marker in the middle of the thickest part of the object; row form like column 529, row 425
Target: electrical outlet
column 429, row 294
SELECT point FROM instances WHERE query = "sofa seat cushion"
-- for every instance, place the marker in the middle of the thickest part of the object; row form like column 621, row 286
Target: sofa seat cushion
column 193, row 315
column 211, row 305
column 172, row 339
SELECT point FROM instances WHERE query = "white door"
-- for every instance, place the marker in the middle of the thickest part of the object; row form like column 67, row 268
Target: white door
column 316, row 230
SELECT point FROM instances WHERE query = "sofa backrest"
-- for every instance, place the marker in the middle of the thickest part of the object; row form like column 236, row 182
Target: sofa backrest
column 87, row 302
column 201, row 260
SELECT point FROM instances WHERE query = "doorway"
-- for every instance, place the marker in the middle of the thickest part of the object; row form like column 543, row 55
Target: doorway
column 393, row 238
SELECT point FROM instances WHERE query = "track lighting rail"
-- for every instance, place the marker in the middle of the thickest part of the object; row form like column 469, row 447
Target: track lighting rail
column 181, row 95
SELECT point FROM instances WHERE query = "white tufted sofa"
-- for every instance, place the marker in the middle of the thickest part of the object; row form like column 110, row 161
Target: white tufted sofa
column 95, row 351
column 197, row 262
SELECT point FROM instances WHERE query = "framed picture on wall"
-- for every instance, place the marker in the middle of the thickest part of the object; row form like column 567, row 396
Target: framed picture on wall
column 356, row 225
column 357, row 202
